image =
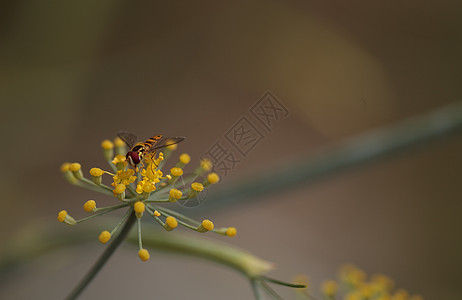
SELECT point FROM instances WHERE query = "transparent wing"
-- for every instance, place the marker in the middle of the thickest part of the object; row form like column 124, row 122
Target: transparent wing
column 129, row 138
column 167, row 141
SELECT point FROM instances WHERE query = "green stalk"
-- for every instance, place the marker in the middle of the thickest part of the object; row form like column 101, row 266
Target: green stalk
column 103, row 258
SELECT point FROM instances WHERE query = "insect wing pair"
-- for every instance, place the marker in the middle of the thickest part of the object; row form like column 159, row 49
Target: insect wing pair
column 138, row 150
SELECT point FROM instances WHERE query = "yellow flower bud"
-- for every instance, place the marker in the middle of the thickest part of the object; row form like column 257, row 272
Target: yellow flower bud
column 213, row 178
column 76, row 169
column 175, row 195
column 139, row 208
column 205, row 226
column 206, row 164
column 198, row 187
column 170, row 223
column 104, row 237
column 90, row 206
column 176, row 172
column 329, row 288
column 156, row 213
column 231, row 231
column 143, row 254
column 185, row 158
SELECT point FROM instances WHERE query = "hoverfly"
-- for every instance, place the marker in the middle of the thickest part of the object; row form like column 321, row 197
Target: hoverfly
column 139, row 150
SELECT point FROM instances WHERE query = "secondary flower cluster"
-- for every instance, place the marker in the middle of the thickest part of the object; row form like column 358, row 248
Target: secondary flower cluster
column 353, row 285
column 141, row 189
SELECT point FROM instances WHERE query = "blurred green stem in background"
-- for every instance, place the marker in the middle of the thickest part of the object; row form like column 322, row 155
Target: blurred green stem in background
column 353, row 152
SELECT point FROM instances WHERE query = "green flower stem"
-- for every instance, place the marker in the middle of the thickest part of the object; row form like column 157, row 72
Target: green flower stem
column 176, row 215
column 96, row 185
column 108, row 210
column 111, row 207
column 298, row 286
column 104, row 257
column 93, row 187
column 270, row 291
column 256, row 287
column 365, row 148
column 244, row 262
column 181, row 222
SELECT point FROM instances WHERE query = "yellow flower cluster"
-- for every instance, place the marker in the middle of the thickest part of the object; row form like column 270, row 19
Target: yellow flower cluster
column 139, row 189
column 353, row 284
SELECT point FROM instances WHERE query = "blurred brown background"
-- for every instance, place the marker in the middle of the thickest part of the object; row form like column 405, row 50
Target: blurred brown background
column 72, row 74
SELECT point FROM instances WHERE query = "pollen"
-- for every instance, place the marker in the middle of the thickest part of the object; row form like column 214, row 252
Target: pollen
column 198, row 187
column 62, row 215
column 89, row 206
column 119, row 189
column 176, row 172
column 207, row 224
column 175, row 195
column 75, row 167
column 231, row 231
column 107, row 144
column 329, row 288
column 97, row 172
column 139, row 207
column 171, row 222
column 143, row 254
column 65, row 167
column 185, row 158
column 156, row 213
column 213, row 178
column 119, row 159
column 104, row 237
column 206, row 164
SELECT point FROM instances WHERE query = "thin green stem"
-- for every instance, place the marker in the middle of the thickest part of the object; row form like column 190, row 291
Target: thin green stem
column 182, row 223
column 367, row 147
column 101, row 213
column 177, row 215
column 140, row 243
column 300, row 286
column 270, row 291
column 112, row 207
column 103, row 258
column 256, row 287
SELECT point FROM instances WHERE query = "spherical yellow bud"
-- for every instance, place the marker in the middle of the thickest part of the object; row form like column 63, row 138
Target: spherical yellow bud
column 207, row 224
column 213, row 178
column 119, row 189
column 139, row 207
column 175, row 195
column 176, row 171
column 118, row 142
column 75, row 167
column 185, row 158
column 97, row 172
column 89, row 206
column 107, row 144
column 143, row 254
column 171, row 222
column 65, row 167
column 104, row 237
column 156, row 213
column 198, row 187
column 119, row 159
column 62, row 215
column 329, row 288
column 231, row 231
column 206, row 164
column 172, row 147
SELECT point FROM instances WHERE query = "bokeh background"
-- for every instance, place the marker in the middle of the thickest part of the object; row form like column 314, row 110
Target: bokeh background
column 74, row 73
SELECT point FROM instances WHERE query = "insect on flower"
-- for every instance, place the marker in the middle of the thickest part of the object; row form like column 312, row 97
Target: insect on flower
column 138, row 151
